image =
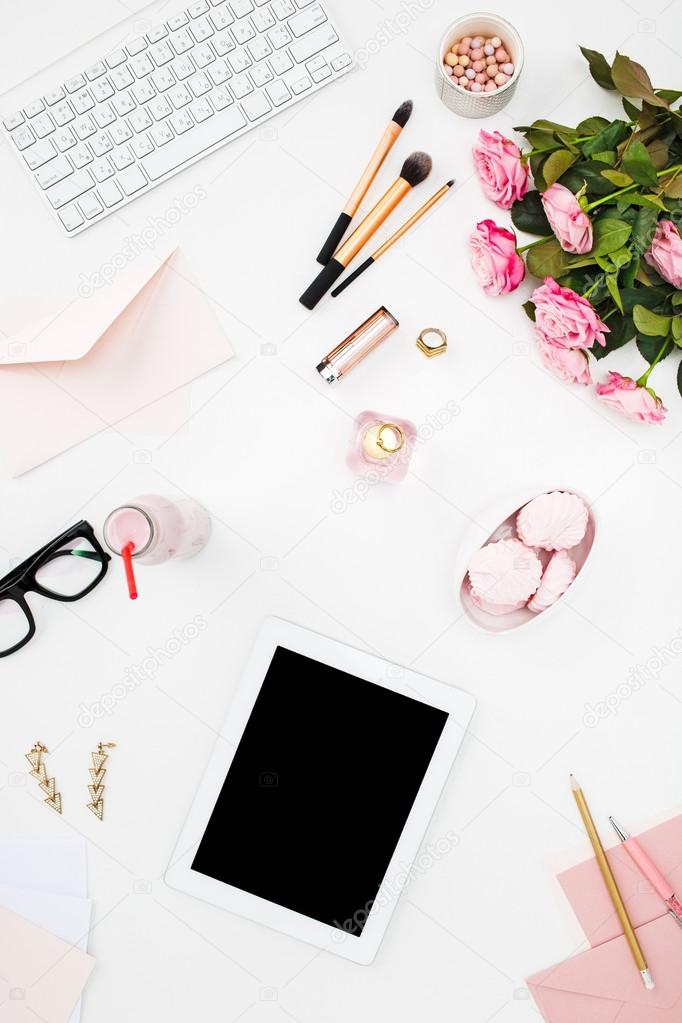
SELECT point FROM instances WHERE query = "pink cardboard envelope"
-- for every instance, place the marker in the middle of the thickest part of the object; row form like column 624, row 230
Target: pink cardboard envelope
column 41, row 976
column 103, row 357
column 603, row 985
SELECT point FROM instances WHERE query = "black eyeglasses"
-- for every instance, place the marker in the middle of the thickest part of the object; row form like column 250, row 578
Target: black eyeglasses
column 65, row 569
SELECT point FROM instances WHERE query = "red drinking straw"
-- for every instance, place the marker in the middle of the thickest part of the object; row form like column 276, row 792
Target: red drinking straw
column 127, row 555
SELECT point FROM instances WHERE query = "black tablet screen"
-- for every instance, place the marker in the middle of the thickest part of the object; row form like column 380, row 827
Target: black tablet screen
column 319, row 790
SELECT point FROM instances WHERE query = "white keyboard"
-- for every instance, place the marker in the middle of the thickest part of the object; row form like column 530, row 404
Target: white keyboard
column 199, row 79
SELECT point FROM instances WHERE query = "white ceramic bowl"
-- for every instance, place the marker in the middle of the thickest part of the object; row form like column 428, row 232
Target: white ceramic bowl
column 479, row 104
column 504, row 512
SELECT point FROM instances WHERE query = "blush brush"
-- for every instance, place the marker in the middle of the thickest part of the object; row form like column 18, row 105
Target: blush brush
column 416, row 169
column 386, row 143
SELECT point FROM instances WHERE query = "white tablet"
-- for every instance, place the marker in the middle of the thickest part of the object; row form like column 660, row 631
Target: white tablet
column 319, row 791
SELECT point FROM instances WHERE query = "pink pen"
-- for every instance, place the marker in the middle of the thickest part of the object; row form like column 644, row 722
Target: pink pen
column 651, row 872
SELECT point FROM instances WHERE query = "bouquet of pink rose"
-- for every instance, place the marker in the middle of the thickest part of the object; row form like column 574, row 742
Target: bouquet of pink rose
column 607, row 207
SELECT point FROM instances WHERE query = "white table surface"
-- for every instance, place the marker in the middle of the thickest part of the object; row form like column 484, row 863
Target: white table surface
column 263, row 446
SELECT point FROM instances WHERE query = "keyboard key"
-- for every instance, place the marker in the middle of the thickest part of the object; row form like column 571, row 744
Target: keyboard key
column 95, row 70
column 219, row 72
column 104, row 115
column 123, row 104
column 75, row 83
column 103, row 169
column 54, row 95
column 239, row 61
column 120, row 132
column 259, row 49
column 282, row 9
column 241, row 86
column 70, row 218
column 23, row 137
column 157, row 33
column 122, row 158
column 201, row 29
column 141, row 146
column 256, row 106
column 182, row 67
column 305, row 48
column 301, row 85
column 281, row 62
column 177, row 21
column 197, row 9
column 101, row 144
column 56, row 170
column 13, row 121
column 192, row 143
column 39, row 153
column 69, row 189
column 162, row 133
column 160, row 108
column 85, row 127
column 63, row 113
column 116, row 57
column 279, row 37
column 180, row 96
column 36, row 107
column 131, row 180
column 82, row 101
column 201, row 110
column 242, row 32
column 122, row 78
column 89, row 205
column 182, row 41
column 143, row 91
column 102, row 89
column 339, row 63
column 278, row 93
column 321, row 74
column 139, row 120
column 141, row 65
column 220, row 98
column 161, row 54
column 110, row 193
column 240, row 8
column 199, row 84
column 42, row 125
column 162, row 79
column 223, row 44
column 136, row 45
column 203, row 55
column 80, row 156
column 64, row 139
column 260, row 75
column 221, row 17
column 181, row 122
column 263, row 20
column 307, row 20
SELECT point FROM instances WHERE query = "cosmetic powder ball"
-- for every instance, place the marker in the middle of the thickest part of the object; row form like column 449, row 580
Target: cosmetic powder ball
column 483, row 56
column 554, row 522
column 504, row 572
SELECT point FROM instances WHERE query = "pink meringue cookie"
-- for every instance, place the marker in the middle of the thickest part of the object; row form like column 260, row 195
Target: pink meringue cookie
column 504, row 573
column 553, row 521
column 556, row 579
column 494, row 609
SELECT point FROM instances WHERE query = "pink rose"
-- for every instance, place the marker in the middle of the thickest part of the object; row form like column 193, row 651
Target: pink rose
column 504, row 178
column 571, row 225
column 570, row 364
column 564, row 318
column 494, row 258
column 625, row 395
column 665, row 253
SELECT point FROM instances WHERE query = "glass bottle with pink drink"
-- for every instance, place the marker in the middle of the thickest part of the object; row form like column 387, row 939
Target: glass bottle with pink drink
column 155, row 529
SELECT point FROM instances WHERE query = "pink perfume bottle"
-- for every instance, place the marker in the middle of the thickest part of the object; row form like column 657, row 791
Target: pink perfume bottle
column 383, row 445
column 158, row 528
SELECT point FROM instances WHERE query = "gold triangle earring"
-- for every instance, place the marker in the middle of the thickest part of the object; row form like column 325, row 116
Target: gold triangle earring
column 97, row 773
column 38, row 771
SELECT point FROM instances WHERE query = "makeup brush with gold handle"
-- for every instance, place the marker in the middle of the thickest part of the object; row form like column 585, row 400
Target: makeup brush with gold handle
column 386, row 143
column 422, row 211
column 416, row 168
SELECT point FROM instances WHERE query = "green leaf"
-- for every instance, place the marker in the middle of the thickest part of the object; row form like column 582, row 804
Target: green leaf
column 644, row 227
column 608, row 138
column 617, row 178
column 557, row 162
column 637, row 163
column 677, row 329
column 630, row 109
column 631, row 80
column 679, row 378
column 609, row 234
column 612, row 285
column 629, row 273
column 654, row 202
column 620, row 257
column 649, row 347
column 659, row 153
column 547, row 259
column 677, row 298
column 672, row 186
column 649, row 323
column 591, row 126
column 608, row 156
column 650, row 298
column 529, row 309
column 588, row 172
column 537, row 162
column 621, row 332
column 528, row 215
column 670, row 94
column 599, row 67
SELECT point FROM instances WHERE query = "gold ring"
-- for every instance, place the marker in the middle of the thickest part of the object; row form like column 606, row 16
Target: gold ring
column 435, row 349
column 395, row 429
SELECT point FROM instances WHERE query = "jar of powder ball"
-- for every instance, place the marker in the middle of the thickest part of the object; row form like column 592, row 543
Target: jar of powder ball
column 481, row 103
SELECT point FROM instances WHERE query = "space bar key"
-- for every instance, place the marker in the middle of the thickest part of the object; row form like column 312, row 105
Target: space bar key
column 191, row 143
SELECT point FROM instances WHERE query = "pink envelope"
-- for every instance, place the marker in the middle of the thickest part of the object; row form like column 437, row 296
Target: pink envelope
column 602, row 985
column 101, row 358
column 41, row 976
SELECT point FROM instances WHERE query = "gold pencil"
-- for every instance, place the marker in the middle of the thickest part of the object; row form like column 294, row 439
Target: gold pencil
column 612, row 887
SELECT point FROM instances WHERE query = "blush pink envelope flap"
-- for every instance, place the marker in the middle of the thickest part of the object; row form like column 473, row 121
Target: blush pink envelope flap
column 590, row 901
column 603, row 984
column 103, row 358
column 41, row 976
